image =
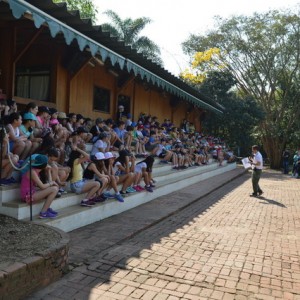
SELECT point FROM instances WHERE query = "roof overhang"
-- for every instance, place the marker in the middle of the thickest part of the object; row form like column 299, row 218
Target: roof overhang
column 21, row 8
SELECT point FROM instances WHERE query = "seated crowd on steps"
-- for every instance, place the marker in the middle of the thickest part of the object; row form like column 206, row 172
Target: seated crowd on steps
column 55, row 146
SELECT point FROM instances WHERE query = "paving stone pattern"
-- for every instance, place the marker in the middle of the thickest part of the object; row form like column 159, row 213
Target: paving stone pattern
column 225, row 245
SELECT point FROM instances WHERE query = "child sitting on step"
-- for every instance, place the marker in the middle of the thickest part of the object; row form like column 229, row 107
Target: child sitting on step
column 143, row 170
column 92, row 171
column 30, row 180
column 78, row 184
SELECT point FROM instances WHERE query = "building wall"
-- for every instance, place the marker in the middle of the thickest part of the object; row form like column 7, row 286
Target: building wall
column 74, row 93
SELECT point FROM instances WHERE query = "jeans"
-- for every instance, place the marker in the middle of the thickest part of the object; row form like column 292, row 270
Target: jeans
column 286, row 167
column 256, row 173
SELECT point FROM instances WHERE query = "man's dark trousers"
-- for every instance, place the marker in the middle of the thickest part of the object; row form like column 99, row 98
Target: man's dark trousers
column 256, row 173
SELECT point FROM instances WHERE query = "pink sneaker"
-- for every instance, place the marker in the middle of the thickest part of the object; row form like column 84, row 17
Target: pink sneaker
column 140, row 188
column 137, row 188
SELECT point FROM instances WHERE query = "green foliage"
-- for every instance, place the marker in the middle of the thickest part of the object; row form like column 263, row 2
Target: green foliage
column 262, row 52
column 128, row 30
column 86, row 8
column 240, row 116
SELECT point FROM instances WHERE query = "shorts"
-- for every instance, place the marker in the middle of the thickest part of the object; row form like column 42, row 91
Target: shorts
column 118, row 144
column 150, row 147
column 77, row 186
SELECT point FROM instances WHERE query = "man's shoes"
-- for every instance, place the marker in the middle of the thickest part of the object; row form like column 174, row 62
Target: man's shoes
column 260, row 193
column 253, row 195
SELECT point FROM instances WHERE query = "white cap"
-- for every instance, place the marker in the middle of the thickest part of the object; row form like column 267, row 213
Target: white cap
column 108, row 155
column 99, row 156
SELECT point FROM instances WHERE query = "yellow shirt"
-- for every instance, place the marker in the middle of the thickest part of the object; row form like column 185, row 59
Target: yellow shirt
column 77, row 172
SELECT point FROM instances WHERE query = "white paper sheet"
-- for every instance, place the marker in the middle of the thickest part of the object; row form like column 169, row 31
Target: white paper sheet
column 246, row 163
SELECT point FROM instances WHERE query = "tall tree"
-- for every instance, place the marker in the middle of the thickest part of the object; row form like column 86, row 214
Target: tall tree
column 262, row 52
column 128, row 30
column 86, row 7
column 240, row 114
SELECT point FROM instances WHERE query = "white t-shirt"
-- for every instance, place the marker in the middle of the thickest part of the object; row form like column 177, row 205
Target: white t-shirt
column 116, row 169
column 97, row 145
column 258, row 158
column 160, row 149
column 138, row 167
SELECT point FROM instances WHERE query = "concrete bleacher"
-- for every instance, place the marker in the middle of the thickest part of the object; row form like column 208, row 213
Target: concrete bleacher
column 72, row 215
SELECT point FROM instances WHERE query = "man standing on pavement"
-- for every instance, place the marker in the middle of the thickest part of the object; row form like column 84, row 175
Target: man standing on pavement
column 257, row 164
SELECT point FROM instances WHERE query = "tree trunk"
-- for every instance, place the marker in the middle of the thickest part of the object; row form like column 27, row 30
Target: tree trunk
column 274, row 148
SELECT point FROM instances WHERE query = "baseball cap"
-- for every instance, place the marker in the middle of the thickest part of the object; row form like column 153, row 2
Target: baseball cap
column 99, row 156
column 108, row 155
column 29, row 116
column 44, row 109
column 52, row 111
column 81, row 130
column 53, row 122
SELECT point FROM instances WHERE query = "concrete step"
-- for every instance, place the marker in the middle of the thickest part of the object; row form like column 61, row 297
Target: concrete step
column 74, row 216
column 11, row 193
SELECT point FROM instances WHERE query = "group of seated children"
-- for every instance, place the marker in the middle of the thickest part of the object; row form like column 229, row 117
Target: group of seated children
column 54, row 144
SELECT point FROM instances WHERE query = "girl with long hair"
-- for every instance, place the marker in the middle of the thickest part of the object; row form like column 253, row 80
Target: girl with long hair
column 143, row 170
column 122, row 168
column 78, row 184
column 31, row 180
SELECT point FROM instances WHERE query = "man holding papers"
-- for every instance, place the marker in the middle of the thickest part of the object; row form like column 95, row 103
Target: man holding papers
column 256, row 162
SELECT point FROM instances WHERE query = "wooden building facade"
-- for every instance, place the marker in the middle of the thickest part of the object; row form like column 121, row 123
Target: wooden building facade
column 52, row 57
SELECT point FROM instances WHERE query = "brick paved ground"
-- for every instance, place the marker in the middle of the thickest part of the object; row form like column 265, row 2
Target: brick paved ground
column 226, row 245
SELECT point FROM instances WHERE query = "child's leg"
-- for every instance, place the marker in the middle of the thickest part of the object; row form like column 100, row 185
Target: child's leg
column 103, row 186
column 91, row 188
column 127, row 181
column 48, row 194
column 146, row 178
column 113, row 183
column 138, row 177
column 26, row 149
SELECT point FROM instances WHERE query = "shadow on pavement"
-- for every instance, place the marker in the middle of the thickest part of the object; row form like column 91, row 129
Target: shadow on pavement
column 106, row 248
column 102, row 259
column 270, row 201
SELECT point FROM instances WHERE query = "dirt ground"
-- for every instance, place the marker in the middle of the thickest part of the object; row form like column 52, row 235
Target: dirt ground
column 19, row 240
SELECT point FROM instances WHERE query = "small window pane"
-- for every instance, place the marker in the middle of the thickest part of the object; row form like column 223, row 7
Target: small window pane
column 101, row 99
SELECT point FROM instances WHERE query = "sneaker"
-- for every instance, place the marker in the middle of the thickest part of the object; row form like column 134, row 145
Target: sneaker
column 119, row 197
column 99, row 198
column 86, row 203
column 140, row 188
column 12, row 180
column 62, row 191
column 137, row 188
column 46, row 214
column 108, row 195
column 123, row 193
column 152, row 185
column 50, row 210
column 4, row 182
column 130, row 190
column 58, row 195
column 149, row 189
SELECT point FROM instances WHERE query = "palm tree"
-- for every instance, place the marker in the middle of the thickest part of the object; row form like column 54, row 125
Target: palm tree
column 128, row 30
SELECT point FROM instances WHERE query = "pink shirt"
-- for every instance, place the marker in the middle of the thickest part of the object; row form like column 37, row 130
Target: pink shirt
column 25, row 186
